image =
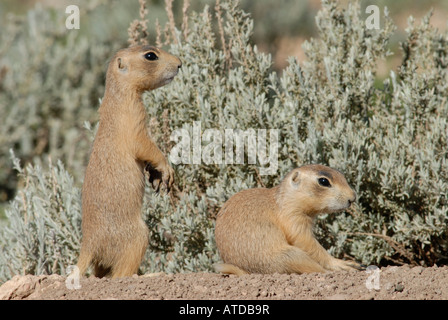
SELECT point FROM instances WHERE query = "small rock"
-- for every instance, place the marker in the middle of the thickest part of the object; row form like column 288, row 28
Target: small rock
column 399, row 287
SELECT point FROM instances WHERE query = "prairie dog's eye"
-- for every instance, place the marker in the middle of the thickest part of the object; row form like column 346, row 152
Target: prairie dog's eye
column 324, row 182
column 151, row 56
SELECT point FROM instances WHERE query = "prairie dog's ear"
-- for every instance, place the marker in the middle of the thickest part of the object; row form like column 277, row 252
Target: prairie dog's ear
column 122, row 65
column 295, row 178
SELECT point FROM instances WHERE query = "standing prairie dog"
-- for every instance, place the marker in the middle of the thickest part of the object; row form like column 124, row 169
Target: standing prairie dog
column 115, row 237
column 270, row 230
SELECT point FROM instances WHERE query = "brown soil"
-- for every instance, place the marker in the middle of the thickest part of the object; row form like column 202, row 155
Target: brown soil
column 394, row 283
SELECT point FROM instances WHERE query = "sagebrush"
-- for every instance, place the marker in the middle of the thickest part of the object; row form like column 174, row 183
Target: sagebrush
column 389, row 138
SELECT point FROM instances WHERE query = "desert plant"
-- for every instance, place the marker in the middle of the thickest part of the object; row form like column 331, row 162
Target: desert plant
column 44, row 222
column 50, row 81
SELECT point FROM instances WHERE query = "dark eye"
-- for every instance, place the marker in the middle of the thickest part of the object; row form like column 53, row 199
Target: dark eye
column 324, row 182
column 151, row 56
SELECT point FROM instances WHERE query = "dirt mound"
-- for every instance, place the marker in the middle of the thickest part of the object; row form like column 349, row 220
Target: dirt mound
column 385, row 283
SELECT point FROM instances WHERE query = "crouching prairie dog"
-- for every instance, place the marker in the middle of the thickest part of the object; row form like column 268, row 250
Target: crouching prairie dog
column 270, row 230
column 115, row 237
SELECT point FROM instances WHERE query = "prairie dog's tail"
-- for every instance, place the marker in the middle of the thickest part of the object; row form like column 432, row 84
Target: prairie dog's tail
column 228, row 268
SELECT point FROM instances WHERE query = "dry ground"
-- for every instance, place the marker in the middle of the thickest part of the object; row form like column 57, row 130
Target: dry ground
column 394, row 283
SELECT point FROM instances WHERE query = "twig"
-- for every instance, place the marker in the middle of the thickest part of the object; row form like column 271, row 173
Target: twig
column 185, row 18
column 221, row 33
column 138, row 30
column 158, row 34
column 259, row 178
column 394, row 244
column 172, row 24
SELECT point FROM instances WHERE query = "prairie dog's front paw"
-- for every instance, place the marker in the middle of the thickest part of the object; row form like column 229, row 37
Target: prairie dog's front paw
column 161, row 174
column 338, row 264
column 168, row 177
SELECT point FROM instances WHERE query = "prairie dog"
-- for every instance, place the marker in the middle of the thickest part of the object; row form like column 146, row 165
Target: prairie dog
column 115, row 237
column 270, row 230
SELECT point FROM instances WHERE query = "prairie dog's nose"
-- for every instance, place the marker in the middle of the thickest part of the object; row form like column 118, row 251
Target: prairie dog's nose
column 352, row 199
column 179, row 65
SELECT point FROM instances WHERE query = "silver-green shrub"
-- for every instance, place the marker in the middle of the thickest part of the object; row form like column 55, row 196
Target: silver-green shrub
column 388, row 138
column 50, row 81
column 43, row 232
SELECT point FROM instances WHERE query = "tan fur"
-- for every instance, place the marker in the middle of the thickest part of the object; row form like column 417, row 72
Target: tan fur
column 271, row 230
column 115, row 237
